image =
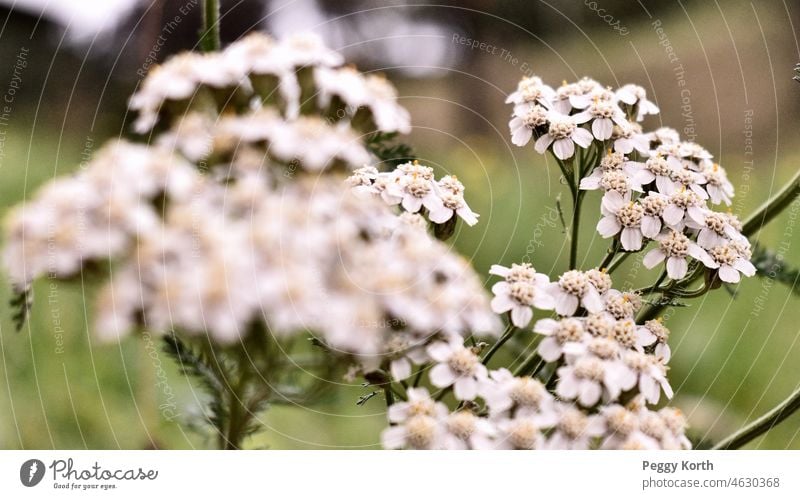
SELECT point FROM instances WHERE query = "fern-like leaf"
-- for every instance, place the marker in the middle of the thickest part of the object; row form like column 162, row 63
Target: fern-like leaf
column 770, row 265
column 21, row 303
column 198, row 366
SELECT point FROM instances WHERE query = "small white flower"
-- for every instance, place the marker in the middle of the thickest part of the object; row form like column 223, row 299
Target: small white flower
column 417, row 432
column 622, row 427
column 465, row 430
column 603, row 114
column 687, row 179
column 663, row 135
column 585, row 378
column 531, row 90
column 731, row 261
column 657, row 169
column 572, row 289
column 559, row 333
column 648, row 373
column 451, row 192
column 622, row 305
column 683, row 205
column 718, row 186
column 621, row 216
column 675, row 247
column 654, row 331
column 518, row 433
column 503, row 392
column 636, row 97
column 600, row 279
column 419, row 403
column 628, row 137
column 563, row 133
column 457, row 366
column 522, row 290
column 527, row 119
column 574, row 429
column 653, row 204
column 611, row 181
column 717, row 229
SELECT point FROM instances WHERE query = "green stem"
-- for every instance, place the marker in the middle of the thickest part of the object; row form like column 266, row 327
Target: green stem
column 509, row 332
column 531, row 361
column 616, row 263
column 576, row 223
column 387, row 391
column 762, row 424
column 209, row 33
column 774, row 206
column 610, row 254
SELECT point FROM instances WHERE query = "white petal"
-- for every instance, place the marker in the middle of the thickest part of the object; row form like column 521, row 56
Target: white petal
column 653, row 258
column 673, row 215
column 440, row 214
column 613, row 201
column 589, row 393
column 466, row 388
column 546, row 326
column 393, row 437
column 608, row 226
column 543, row 143
column 441, row 376
column 440, row 351
column 601, row 128
column 582, row 137
column 521, row 316
column 400, row 369
column 728, row 274
column 566, row 304
column 631, row 239
column 677, row 267
column 651, row 226
column 745, row 267
column 499, row 270
column 521, row 136
column 549, row 349
column 502, row 304
column 592, row 301
column 564, row 148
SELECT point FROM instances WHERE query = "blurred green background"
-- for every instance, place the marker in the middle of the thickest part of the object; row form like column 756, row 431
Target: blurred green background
column 723, row 73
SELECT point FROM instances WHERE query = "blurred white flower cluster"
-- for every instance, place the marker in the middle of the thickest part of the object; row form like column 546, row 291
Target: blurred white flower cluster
column 655, row 187
column 238, row 212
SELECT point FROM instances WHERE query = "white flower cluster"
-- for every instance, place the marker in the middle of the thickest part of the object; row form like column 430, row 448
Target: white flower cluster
column 556, row 118
column 413, row 187
column 298, row 75
column 599, row 356
column 655, row 187
column 230, row 219
column 521, row 414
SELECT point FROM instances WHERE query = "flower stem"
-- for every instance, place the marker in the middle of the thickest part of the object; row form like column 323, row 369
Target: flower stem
column 509, row 332
column 772, row 207
column 531, row 361
column 209, row 32
column 576, row 223
column 762, row 424
column 616, row 263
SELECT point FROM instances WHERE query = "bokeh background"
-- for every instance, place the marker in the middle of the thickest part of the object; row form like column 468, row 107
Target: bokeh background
column 721, row 72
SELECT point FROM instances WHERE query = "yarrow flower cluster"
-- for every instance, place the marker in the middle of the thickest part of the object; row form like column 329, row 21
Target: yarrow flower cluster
column 238, row 212
column 413, row 187
column 599, row 357
column 655, row 186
